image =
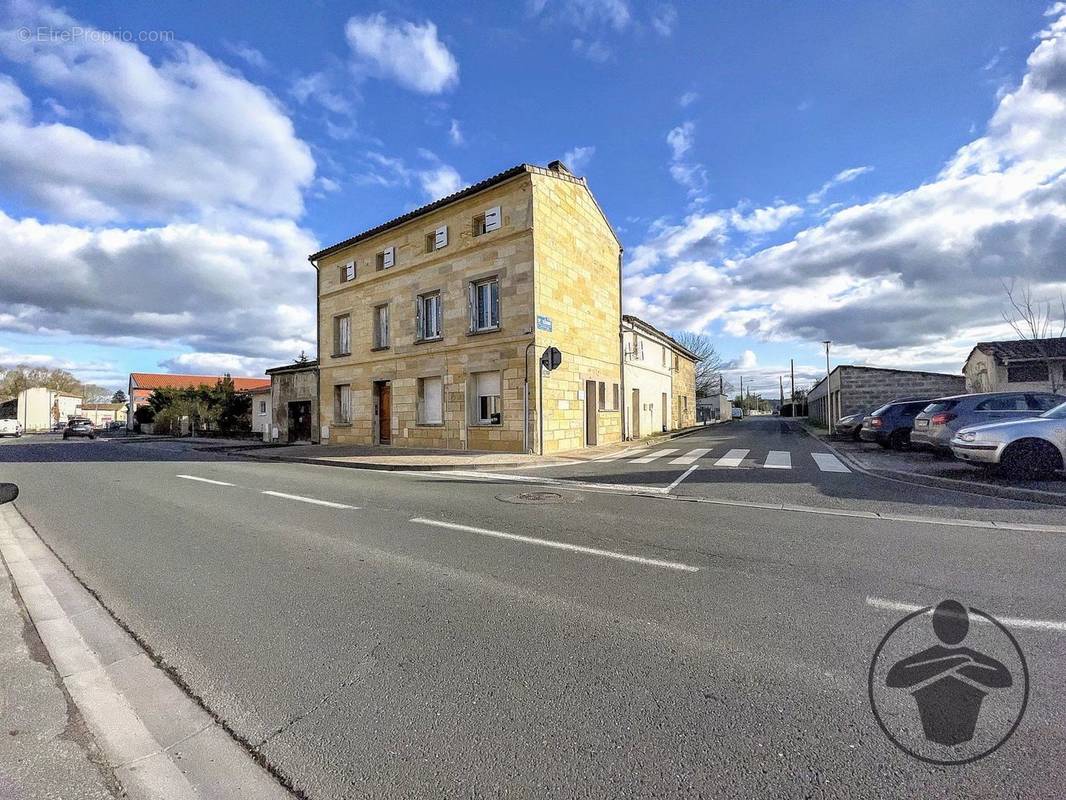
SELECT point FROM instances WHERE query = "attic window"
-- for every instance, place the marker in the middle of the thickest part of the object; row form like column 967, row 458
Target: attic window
column 479, row 225
column 385, row 259
column 348, row 272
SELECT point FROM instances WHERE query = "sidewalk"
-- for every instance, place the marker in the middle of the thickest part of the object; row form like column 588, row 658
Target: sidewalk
column 409, row 458
column 930, row 469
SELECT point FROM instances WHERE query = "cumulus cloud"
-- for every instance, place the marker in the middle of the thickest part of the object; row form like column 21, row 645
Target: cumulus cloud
column 168, row 151
column 440, row 181
column 578, row 158
column 687, row 173
column 406, row 52
column 436, row 178
column 903, row 275
column 585, row 14
column 455, row 133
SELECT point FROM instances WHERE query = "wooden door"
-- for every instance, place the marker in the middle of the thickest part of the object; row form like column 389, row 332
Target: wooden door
column 635, row 427
column 590, row 413
column 384, row 413
column 666, row 411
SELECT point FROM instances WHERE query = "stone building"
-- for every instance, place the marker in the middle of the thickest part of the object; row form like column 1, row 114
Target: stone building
column 1022, row 365
column 431, row 326
column 660, row 380
column 293, row 404
column 853, row 389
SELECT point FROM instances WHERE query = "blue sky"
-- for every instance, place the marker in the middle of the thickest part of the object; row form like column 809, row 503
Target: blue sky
column 779, row 173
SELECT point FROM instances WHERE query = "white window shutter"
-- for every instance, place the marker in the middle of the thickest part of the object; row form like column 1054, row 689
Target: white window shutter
column 493, row 219
column 389, row 257
column 439, row 312
column 472, row 305
column 349, row 271
column 440, row 238
column 419, row 302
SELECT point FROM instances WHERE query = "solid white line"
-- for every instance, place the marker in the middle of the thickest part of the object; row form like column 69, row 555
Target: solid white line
column 681, row 477
column 692, row 456
column 827, row 462
column 576, row 548
column 309, row 500
column 778, row 459
column 1011, row 622
column 205, row 480
column 652, row 456
column 733, row 458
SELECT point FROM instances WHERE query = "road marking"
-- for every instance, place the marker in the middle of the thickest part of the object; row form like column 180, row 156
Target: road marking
column 205, row 480
column 733, row 458
column 692, row 456
column 778, row 459
column 576, row 548
column 614, row 456
column 300, row 498
column 681, row 477
column 1012, row 622
column 827, row 462
column 652, row 456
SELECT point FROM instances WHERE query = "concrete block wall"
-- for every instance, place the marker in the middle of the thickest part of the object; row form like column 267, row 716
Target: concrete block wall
column 866, row 389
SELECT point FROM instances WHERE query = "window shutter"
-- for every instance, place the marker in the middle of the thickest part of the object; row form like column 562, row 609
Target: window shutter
column 438, row 309
column 472, row 306
column 492, row 219
column 494, row 292
column 389, row 257
column 349, row 271
column 440, row 238
column 418, row 317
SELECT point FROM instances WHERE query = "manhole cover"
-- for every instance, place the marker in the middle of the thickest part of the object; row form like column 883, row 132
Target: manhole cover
column 536, row 498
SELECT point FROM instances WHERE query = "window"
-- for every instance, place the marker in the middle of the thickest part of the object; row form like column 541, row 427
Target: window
column 342, row 404
column 664, row 355
column 348, row 272
column 1005, row 402
column 1027, row 372
column 430, row 401
column 385, row 259
column 602, row 391
column 614, row 392
column 262, row 407
column 342, row 335
column 487, row 397
column 485, row 305
column 493, row 219
column 437, row 239
column 428, row 317
column 431, row 242
column 478, row 225
column 379, row 262
column 381, row 326
column 684, row 398
column 1042, row 402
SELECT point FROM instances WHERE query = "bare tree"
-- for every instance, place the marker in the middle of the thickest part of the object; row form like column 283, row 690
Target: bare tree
column 1036, row 320
column 709, row 377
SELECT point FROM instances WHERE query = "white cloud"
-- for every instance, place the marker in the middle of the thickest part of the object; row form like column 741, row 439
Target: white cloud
column 764, row 220
column 248, row 54
column 663, row 19
column 167, row 149
column 687, row 99
column 440, row 181
column 680, row 139
column 409, row 53
column 691, row 175
column 595, row 51
column 585, row 14
column 436, row 178
column 319, row 86
column 844, row 176
column 904, row 276
column 746, row 360
column 455, row 133
column 578, row 158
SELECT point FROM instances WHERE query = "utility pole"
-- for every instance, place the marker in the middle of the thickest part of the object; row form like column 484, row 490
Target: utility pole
column 742, row 392
column 828, row 394
column 781, row 384
column 792, row 372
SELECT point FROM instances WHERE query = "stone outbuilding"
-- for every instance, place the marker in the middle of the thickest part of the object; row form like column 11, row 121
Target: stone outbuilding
column 293, row 405
column 851, row 389
column 1022, row 365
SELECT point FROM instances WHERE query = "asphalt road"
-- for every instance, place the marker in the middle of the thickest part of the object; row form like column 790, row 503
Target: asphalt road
column 631, row 645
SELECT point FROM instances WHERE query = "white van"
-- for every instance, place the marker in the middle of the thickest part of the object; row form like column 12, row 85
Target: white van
column 10, row 427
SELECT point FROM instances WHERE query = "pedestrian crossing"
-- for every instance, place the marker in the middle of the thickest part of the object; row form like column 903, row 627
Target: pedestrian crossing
column 734, row 458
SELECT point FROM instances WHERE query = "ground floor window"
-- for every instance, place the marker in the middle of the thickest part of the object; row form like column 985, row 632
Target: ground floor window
column 342, row 404
column 430, row 401
column 487, row 408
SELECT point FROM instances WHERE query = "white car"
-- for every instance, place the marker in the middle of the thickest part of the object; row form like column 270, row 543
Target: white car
column 1033, row 447
column 10, row 427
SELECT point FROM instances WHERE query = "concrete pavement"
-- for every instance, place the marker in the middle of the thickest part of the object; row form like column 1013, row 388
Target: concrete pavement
column 428, row 635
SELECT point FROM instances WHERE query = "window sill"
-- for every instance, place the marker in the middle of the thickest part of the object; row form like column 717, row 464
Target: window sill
column 429, row 340
column 486, row 424
column 340, row 355
column 342, row 424
column 429, row 425
column 481, row 331
column 379, row 349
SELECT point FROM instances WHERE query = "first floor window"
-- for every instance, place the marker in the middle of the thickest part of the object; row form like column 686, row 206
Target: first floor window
column 381, row 326
column 342, row 404
column 342, row 335
column 262, row 406
column 428, row 316
column 485, row 305
column 430, row 401
column 615, row 395
column 602, row 396
column 487, row 394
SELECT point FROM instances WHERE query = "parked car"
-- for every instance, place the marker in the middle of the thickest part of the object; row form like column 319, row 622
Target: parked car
column 10, row 427
column 892, row 424
column 1033, row 447
column 79, row 426
column 850, row 425
column 737, row 413
column 946, row 416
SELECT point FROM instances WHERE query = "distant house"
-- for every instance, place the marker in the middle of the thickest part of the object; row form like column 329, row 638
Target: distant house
column 142, row 384
column 262, row 418
column 38, row 408
column 851, row 389
column 103, row 414
column 659, row 376
column 1031, row 365
column 294, row 402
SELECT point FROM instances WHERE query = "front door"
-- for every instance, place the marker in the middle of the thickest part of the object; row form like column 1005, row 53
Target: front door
column 590, row 413
column 384, row 412
column 635, row 426
column 666, row 411
column 300, row 421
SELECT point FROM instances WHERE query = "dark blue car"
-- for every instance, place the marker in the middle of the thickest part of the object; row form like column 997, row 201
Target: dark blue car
column 891, row 424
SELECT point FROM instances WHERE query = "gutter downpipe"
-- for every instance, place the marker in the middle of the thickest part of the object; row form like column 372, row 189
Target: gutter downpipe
column 525, row 401
column 316, row 412
column 621, row 355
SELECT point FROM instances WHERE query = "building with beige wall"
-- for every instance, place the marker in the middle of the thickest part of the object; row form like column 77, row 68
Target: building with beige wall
column 1022, row 365
column 294, row 402
column 431, row 326
column 660, row 380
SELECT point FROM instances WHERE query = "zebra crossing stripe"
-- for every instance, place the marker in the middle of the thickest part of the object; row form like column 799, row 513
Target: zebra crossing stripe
column 827, row 462
column 692, row 456
column 652, row 456
column 623, row 454
column 778, row 459
column 733, row 458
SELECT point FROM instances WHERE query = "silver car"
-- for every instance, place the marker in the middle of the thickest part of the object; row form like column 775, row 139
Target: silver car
column 946, row 416
column 1034, row 447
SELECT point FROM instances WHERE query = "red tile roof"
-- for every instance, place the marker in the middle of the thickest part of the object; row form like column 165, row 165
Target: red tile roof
column 154, row 380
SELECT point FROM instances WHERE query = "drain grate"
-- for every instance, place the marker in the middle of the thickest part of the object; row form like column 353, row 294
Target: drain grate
column 537, row 498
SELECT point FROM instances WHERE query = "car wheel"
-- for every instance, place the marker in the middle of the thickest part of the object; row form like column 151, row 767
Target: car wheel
column 884, row 445
column 1030, row 458
column 900, row 440
column 65, row 436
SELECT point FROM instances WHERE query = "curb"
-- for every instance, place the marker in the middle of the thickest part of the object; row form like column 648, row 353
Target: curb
column 158, row 742
column 380, row 467
column 951, row 484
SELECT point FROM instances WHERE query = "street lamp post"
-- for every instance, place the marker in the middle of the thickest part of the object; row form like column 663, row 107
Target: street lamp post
column 828, row 392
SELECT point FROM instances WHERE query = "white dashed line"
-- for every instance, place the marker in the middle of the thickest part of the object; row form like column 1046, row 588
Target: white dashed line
column 1010, row 622
column 300, row 498
column 575, row 548
column 205, row 480
column 681, row 477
